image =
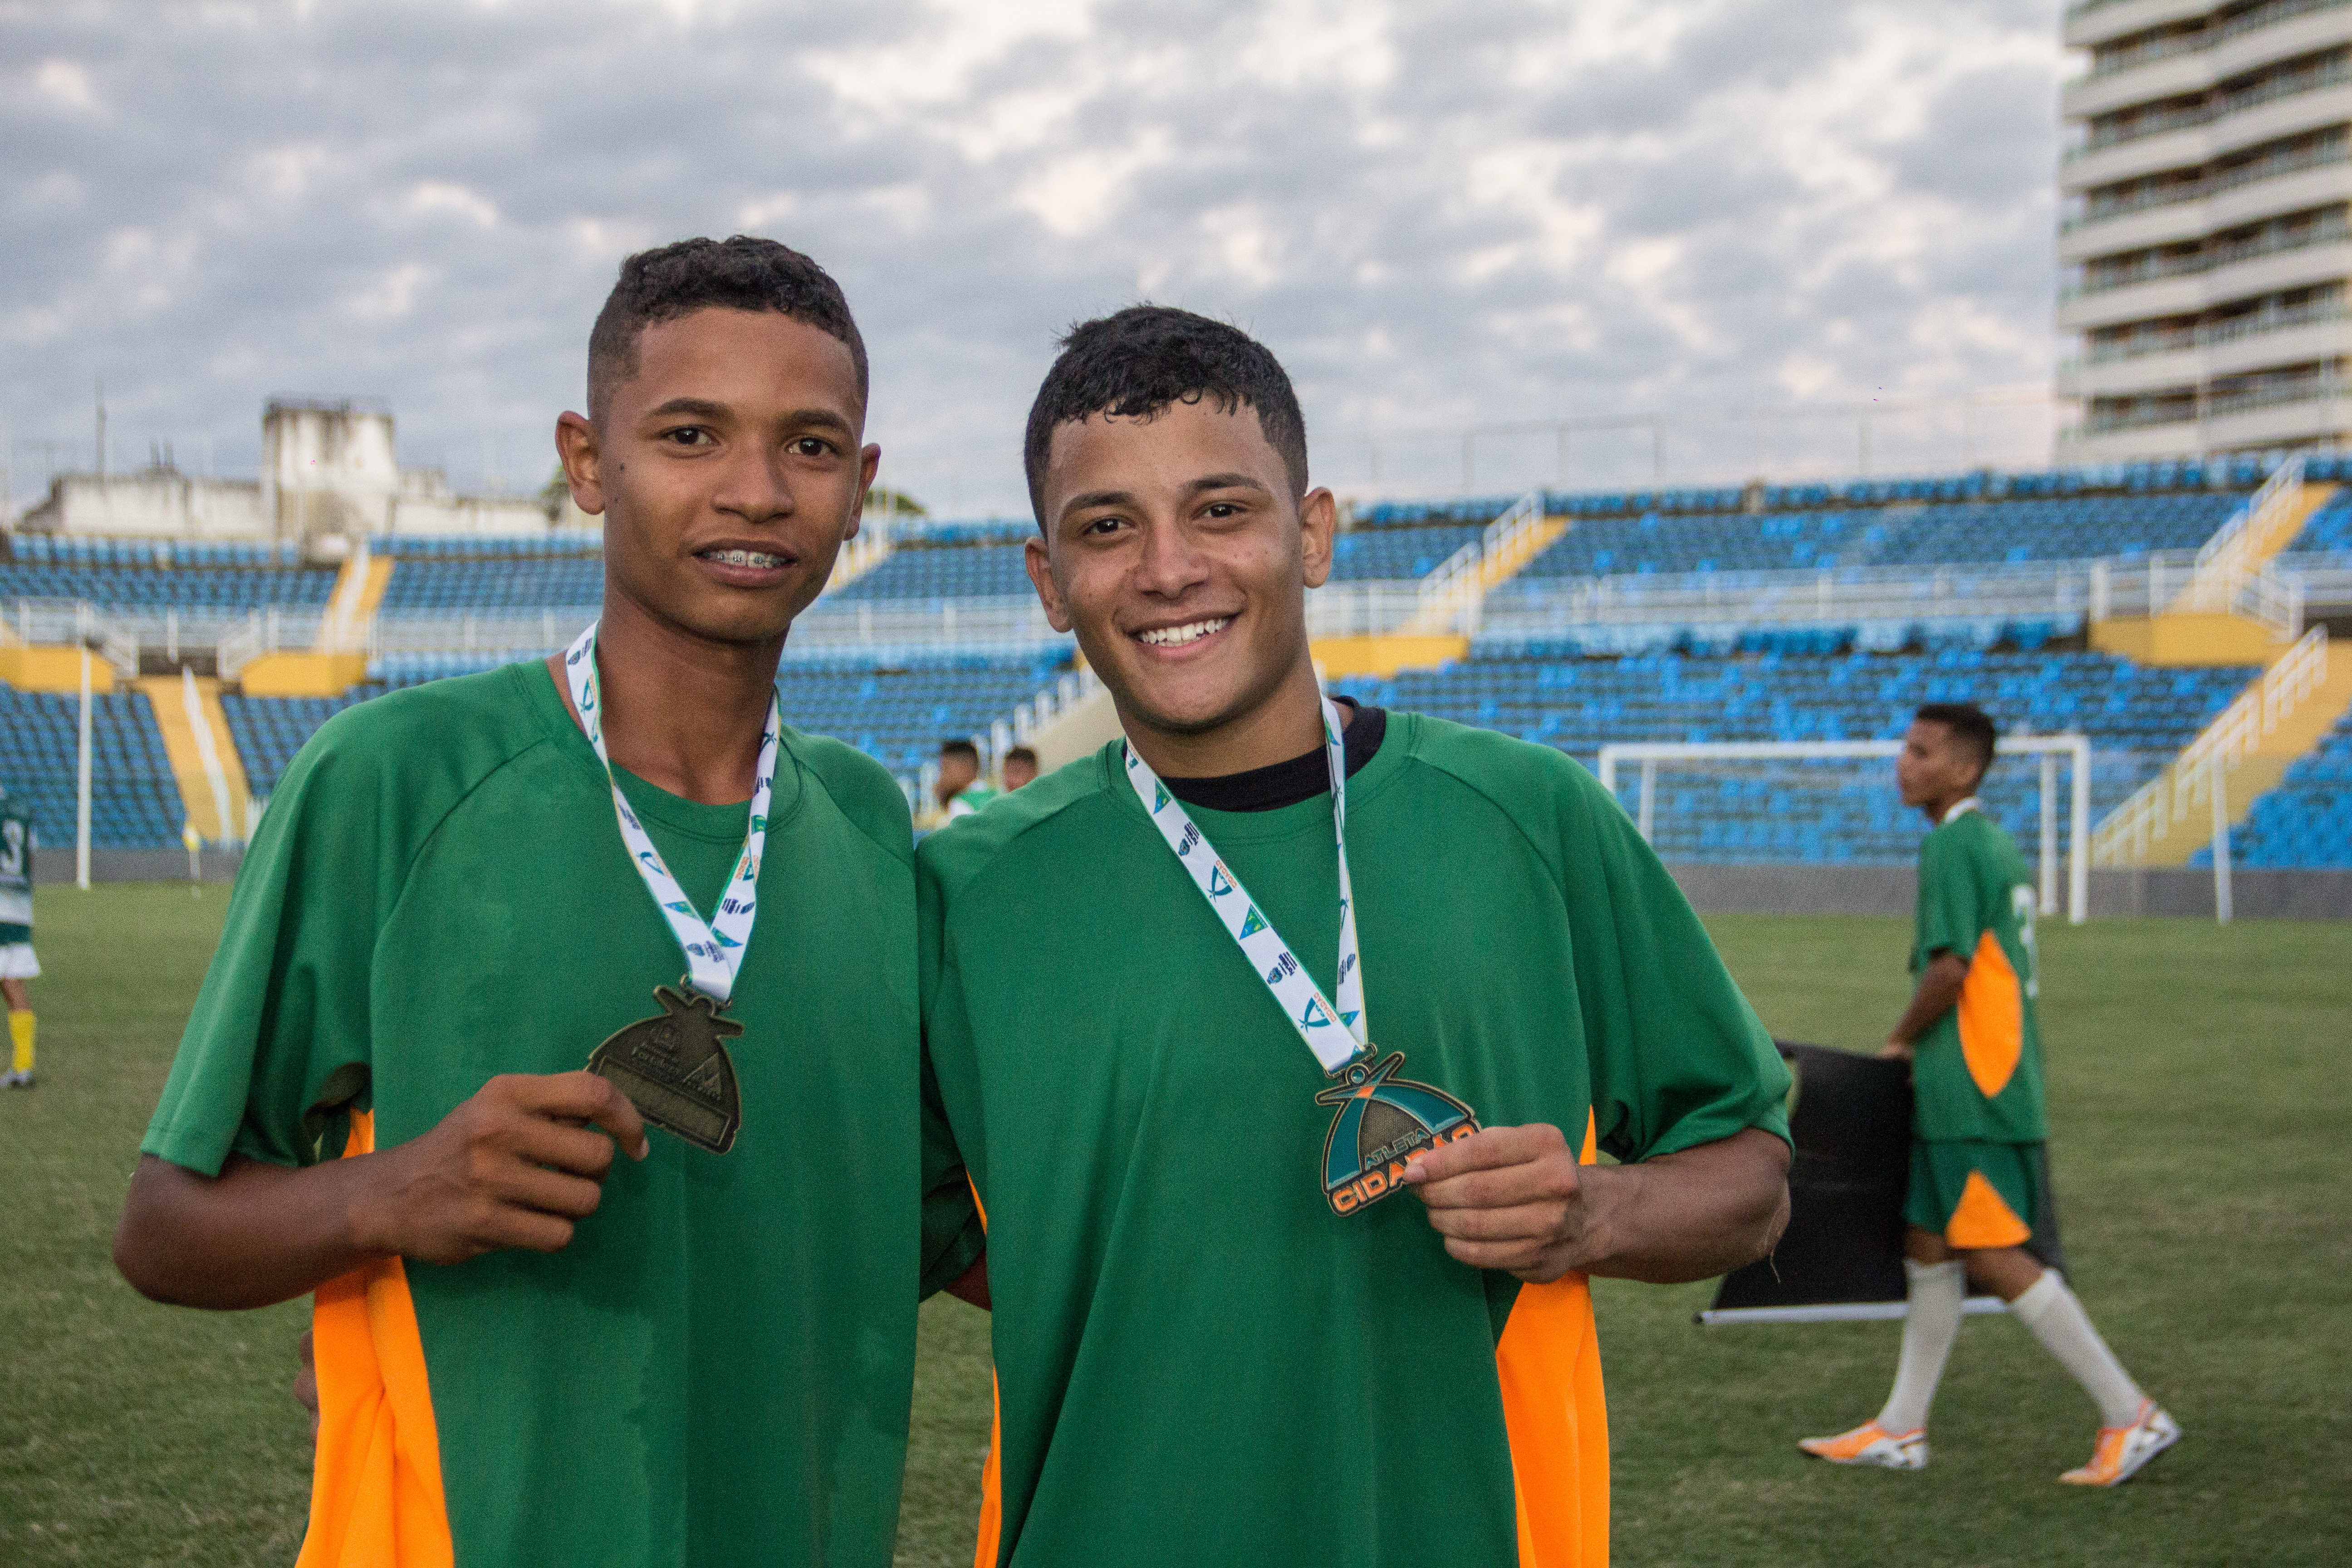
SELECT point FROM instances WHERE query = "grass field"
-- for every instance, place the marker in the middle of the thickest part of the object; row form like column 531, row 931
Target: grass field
column 2199, row 1087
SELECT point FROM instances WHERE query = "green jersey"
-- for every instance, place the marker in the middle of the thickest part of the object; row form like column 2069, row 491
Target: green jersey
column 1197, row 1361
column 1977, row 1073
column 718, row 1369
column 17, row 846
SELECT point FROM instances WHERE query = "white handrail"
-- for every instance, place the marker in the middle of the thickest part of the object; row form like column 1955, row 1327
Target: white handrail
column 2237, row 730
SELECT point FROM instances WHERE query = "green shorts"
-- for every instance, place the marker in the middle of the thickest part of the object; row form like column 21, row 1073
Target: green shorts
column 1975, row 1195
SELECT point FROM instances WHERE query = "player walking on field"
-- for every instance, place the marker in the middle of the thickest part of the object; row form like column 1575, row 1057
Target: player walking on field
column 1978, row 1123
column 1273, row 1035
column 18, row 963
column 467, row 893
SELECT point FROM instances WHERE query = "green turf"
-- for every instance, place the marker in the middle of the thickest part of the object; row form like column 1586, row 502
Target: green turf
column 2197, row 1081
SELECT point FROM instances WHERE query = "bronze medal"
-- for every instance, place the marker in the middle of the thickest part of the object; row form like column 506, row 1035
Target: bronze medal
column 1384, row 1123
column 675, row 1070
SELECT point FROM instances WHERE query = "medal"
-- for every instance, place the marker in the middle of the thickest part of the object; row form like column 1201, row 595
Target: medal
column 1383, row 1121
column 674, row 1069
column 673, row 1066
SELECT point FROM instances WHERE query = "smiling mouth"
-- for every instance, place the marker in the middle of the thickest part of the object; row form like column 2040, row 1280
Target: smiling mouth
column 1179, row 636
column 758, row 559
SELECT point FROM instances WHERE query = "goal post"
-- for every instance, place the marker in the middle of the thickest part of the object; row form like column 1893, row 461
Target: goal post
column 2075, row 751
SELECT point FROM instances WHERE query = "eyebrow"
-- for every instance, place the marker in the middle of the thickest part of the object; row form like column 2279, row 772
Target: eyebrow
column 1234, row 481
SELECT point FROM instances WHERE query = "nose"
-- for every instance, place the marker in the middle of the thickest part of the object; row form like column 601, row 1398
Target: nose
column 755, row 485
column 1170, row 565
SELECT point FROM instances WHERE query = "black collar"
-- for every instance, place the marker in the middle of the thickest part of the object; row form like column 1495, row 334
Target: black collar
column 1286, row 784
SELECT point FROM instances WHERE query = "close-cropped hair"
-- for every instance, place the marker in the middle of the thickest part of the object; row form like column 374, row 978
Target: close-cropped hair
column 1139, row 361
column 1968, row 723
column 744, row 273
column 963, row 749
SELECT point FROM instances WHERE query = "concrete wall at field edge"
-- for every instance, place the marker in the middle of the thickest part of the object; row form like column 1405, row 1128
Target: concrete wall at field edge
column 53, row 867
column 1891, row 890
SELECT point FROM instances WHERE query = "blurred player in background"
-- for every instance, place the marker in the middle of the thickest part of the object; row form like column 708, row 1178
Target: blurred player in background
column 1259, row 1295
column 18, row 963
column 1020, row 768
column 1978, row 1122
column 960, row 790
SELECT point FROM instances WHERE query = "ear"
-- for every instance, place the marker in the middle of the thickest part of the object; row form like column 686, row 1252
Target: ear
column 1319, row 525
column 577, row 449
column 1039, row 563
column 869, row 463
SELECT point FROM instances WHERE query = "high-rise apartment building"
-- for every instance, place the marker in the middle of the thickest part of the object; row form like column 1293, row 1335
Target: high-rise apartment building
column 2205, row 250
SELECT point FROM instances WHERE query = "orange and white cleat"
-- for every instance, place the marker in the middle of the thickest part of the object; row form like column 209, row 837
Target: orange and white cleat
column 2123, row 1452
column 1871, row 1444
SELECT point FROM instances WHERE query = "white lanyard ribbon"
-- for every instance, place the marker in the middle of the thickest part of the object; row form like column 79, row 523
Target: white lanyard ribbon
column 1335, row 1034
column 714, row 951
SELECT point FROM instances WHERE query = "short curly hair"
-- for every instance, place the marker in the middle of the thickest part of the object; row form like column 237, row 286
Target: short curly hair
column 1139, row 361
column 744, row 273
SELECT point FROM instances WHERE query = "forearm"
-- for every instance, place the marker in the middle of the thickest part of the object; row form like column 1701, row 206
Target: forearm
column 253, row 1235
column 1938, row 993
column 1693, row 1214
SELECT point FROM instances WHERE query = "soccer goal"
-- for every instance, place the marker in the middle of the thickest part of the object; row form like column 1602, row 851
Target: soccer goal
column 1834, row 802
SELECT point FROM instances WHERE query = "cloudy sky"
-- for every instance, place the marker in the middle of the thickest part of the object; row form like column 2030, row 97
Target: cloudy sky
column 1441, row 214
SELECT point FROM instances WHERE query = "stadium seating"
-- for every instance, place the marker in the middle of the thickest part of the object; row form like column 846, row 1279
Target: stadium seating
column 428, row 586
column 123, row 587
column 928, row 571
column 1394, row 554
column 135, row 801
column 2136, row 719
column 268, row 731
column 2305, row 822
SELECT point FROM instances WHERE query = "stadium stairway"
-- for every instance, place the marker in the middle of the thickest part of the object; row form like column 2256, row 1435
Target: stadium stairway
column 2204, row 624
column 203, row 754
column 1450, row 597
column 338, row 662
column 2275, row 723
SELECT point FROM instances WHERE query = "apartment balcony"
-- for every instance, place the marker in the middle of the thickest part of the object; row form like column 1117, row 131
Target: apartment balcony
column 2211, row 352
column 2299, row 104
column 2306, row 26
column 2304, row 414
column 2094, row 21
column 2327, row 258
column 2297, row 181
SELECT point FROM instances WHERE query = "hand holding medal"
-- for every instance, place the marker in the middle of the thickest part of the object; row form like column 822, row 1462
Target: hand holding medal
column 1384, row 1123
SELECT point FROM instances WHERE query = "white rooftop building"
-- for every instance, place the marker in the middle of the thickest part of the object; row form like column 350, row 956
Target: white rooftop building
column 329, row 474
column 2205, row 248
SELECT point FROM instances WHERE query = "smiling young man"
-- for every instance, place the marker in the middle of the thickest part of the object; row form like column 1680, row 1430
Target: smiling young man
column 1264, row 1290
column 464, row 895
column 1977, row 1121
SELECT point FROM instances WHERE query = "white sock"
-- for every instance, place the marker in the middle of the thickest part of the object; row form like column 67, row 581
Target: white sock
column 2052, row 1315
column 1929, row 1326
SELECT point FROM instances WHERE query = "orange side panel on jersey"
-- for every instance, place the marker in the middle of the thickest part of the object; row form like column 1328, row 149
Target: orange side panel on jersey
column 1992, row 1017
column 1549, row 1366
column 375, row 1485
column 1981, row 1219
column 991, row 1480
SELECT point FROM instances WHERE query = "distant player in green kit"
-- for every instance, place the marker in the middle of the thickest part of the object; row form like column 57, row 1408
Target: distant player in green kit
column 1977, row 1120
column 468, row 893
column 17, row 965
column 1274, row 1034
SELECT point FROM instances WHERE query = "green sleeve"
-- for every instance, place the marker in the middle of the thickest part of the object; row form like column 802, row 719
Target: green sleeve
column 1950, row 917
column 953, row 1237
column 278, row 1042
column 1678, row 1058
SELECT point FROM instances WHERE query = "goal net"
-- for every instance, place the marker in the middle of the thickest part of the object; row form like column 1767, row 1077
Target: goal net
column 1833, row 803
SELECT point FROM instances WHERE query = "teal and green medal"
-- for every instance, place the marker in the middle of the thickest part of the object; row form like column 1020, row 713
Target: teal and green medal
column 1383, row 1121
column 673, row 1066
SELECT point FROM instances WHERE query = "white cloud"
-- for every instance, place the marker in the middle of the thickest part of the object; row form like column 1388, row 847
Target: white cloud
column 1438, row 212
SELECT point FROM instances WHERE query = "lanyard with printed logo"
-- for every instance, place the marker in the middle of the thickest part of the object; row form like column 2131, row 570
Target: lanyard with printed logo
column 1383, row 1121
column 673, row 1066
